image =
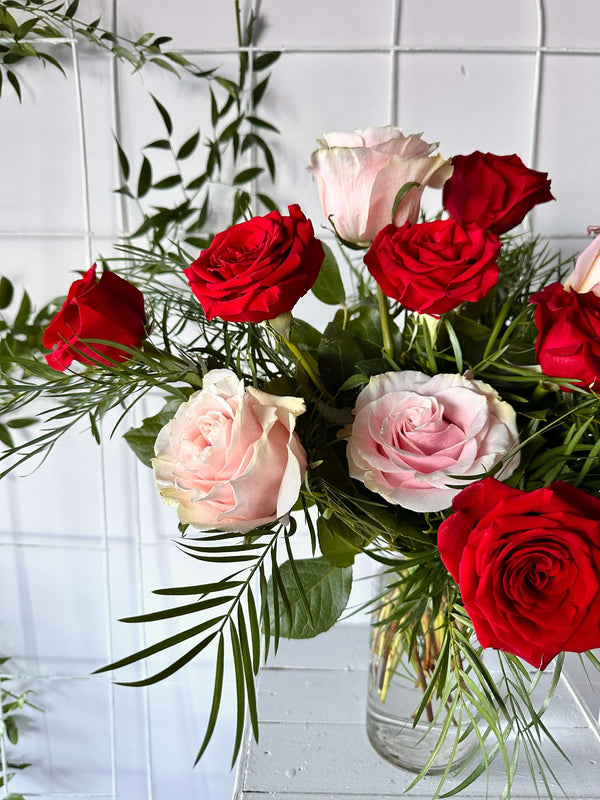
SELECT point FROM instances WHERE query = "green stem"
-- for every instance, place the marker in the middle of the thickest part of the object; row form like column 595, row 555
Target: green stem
column 310, row 371
column 386, row 323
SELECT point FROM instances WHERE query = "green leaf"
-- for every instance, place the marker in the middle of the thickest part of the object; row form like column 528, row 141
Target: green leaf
column 14, row 82
column 247, row 175
column 338, row 355
column 11, row 730
column 168, row 183
column 327, row 589
column 6, row 292
column 197, row 183
column 262, row 123
column 160, row 62
column 159, row 144
column 188, row 147
column 24, row 29
column 163, row 111
column 339, row 543
column 259, row 91
column 145, row 178
column 265, row 60
column 72, row 9
column 328, row 288
column 141, row 439
column 401, row 195
column 217, row 692
column 123, row 162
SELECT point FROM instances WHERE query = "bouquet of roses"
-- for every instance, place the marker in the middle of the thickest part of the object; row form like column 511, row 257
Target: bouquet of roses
column 445, row 423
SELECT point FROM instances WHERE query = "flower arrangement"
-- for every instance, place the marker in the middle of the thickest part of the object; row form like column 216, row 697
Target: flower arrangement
column 445, row 423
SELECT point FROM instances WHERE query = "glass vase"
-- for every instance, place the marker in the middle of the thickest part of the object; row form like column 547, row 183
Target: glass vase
column 407, row 718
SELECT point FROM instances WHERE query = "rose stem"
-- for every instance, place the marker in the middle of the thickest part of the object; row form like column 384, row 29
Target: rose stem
column 422, row 681
column 315, row 378
column 386, row 330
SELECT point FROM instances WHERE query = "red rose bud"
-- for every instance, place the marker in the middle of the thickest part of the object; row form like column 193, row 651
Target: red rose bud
column 258, row 269
column 528, row 567
column 493, row 192
column 110, row 308
column 568, row 341
column 433, row 267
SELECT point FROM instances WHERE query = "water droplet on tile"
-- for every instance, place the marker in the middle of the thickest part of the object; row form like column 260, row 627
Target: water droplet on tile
column 290, row 773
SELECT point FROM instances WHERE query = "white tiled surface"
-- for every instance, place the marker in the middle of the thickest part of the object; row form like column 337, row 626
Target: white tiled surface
column 335, row 73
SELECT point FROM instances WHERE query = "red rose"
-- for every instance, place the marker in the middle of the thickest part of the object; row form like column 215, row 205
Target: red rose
column 528, row 567
column 110, row 309
column 433, row 267
column 258, row 269
column 494, row 192
column 568, row 342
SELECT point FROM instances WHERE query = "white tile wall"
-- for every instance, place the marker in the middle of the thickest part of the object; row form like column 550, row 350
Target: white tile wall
column 61, row 590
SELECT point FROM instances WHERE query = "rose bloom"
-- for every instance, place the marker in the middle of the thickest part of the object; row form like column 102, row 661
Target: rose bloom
column 493, row 192
column 432, row 267
column 585, row 277
column 528, row 567
column 359, row 175
column 110, row 308
column 414, row 437
column 568, row 341
column 258, row 269
column 229, row 460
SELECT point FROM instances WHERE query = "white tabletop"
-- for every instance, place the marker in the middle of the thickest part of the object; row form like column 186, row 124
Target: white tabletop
column 313, row 743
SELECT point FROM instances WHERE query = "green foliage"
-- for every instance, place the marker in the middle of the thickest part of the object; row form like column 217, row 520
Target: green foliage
column 14, row 705
column 57, row 24
column 317, row 593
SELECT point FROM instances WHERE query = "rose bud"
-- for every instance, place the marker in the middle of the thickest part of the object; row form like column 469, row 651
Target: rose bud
column 259, row 269
column 493, row 192
column 433, row 267
column 359, row 175
column 528, row 567
column 110, row 308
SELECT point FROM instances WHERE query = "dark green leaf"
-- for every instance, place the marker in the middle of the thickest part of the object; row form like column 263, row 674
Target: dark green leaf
column 23, row 422
column 123, row 162
column 268, row 202
column 262, row 123
column 168, row 183
column 171, row 641
column 197, row 183
column 14, row 82
column 145, row 178
column 11, row 730
column 231, row 129
column 217, row 692
column 214, row 109
column 72, row 9
column 25, row 27
column 6, row 292
column 265, row 60
column 188, row 147
column 328, row 288
column 159, row 144
column 247, row 175
column 163, row 112
column 259, row 91
column 175, row 666
column 327, row 589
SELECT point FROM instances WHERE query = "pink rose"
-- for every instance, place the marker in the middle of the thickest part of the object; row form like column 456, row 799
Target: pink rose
column 229, row 460
column 359, row 175
column 585, row 277
column 414, row 437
